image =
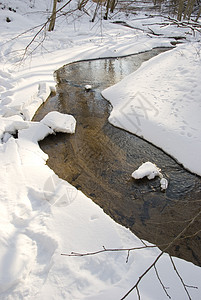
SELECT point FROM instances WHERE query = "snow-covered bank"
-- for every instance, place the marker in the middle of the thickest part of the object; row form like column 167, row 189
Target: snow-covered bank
column 162, row 103
column 41, row 215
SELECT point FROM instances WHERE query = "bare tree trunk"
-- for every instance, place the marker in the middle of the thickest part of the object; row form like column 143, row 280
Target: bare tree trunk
column 107, row 9
column 180, row 9
column 189, row 9
column 113, row 3
column 81, row 4
column 99, row 3
column 198, row 15
column 53, row 16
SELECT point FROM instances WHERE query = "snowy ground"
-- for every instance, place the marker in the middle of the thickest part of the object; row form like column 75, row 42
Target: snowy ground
column 43, row 216
column 161, row 102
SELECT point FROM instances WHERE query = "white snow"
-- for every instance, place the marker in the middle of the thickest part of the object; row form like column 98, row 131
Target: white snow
column 42, row 216
column 60, row 122
column 164, row 184
column 150, row 170
column 147, row 169
column 161, row 102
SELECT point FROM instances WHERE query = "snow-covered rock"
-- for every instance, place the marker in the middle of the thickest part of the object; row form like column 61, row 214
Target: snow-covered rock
column 148, row 170
column 88, row 87
column 59, row 122
column 164, row 184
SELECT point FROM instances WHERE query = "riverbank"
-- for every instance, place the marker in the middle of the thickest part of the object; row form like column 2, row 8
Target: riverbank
column 161, row 103
column 100, row 158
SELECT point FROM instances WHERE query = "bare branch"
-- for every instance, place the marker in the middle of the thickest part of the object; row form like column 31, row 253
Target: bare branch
column 138, row 293
column 181, row 279
column 164, row 288
column 143, row 274
column 127, row 256
column 35, row 36
column 193, row 25
column 24, row 32
column 180, row 236
column 109, row 250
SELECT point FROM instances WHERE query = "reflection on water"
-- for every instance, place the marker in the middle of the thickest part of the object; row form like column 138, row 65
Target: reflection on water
column 99, row 159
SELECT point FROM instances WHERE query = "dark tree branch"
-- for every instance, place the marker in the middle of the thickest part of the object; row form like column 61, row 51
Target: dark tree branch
column 127, row 258
column 109, row 250
column 143, row 274
column 159, row 279
column 181, row 279
column 138, row 293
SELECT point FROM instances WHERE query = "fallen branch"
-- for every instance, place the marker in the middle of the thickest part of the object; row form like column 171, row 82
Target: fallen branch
column 111, row 250
column 193, row 25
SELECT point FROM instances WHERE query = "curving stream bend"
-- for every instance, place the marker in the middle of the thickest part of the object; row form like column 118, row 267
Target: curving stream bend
column 99, row 159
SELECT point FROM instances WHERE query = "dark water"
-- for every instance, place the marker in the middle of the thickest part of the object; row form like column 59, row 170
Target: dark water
column 99, row 159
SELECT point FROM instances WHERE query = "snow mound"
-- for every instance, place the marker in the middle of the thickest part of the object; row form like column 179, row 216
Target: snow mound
column 10, row 125
column 60, row 122
column 29, row 105
column 147, row 169
column 150, row 171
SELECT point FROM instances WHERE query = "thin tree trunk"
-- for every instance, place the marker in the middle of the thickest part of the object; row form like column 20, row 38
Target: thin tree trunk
column 180, row 9
column 95, row 12
column 189, row 9
column 53, row 16
column 198, row 15
column 81, row 4
column 107, row 9
column 113, row 3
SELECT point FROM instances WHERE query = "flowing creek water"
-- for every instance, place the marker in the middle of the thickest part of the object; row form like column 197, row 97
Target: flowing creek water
column 99, row 159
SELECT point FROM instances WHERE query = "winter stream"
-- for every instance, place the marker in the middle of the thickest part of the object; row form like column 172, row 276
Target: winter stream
column 99, row 159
